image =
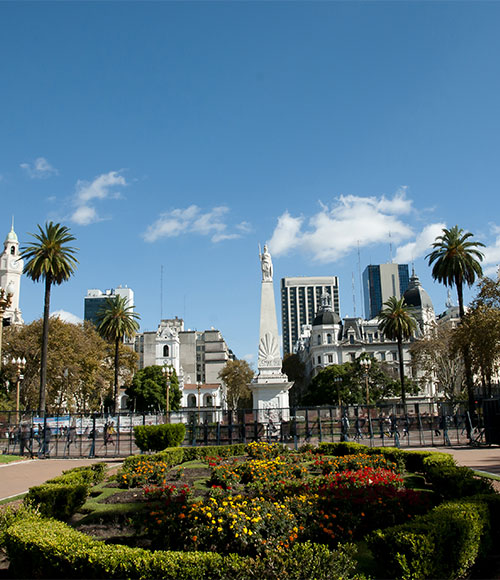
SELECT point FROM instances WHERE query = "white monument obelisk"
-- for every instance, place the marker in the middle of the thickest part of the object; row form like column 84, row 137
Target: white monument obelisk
column 269, row 386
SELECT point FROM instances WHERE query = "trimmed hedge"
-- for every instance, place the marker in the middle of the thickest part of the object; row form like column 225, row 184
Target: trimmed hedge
column 442, row 544
column 158, row 437
column 39, row 548
column 62, row 496
column 450, row 481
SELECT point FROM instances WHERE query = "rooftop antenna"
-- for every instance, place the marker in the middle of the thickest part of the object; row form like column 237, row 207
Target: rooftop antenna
column 359, row 276
column 161, row 292
column 353, row 295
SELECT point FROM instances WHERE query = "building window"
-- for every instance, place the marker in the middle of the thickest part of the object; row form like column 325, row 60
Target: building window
column 351, row 339
column 353, row 356
column 330, row 358
column 329, row 338
column 191, row 401
column 12, row 250
column 382, row 356
column 319, row 360
column 319, row 338
column 395, row 355
column 370, row 338
column 166, row 350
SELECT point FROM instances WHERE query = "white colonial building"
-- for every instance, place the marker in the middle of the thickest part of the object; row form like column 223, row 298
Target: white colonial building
column 196, row 356
column 331, row 340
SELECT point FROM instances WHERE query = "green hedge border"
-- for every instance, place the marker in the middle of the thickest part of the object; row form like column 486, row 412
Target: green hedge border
column 444, row 543
column 42, row 548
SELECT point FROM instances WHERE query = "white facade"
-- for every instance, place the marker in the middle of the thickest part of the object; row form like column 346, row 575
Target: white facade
column 197, row 358
column 11, row 269
column 330, row 340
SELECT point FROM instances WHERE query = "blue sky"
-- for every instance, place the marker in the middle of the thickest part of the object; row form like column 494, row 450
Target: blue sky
column 184, row 134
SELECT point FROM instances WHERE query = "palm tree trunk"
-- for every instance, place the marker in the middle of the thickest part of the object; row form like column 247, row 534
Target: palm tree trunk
column 45, row 344
column 469, row 379
column 402, row 373
column 117, row 367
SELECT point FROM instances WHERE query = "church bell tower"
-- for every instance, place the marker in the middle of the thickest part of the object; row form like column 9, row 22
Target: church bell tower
column 11, row 269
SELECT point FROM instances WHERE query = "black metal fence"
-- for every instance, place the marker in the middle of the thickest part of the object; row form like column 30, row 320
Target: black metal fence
column 103, row 435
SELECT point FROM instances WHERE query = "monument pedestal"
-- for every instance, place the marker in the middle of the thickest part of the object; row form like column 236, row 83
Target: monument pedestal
column 270, row 386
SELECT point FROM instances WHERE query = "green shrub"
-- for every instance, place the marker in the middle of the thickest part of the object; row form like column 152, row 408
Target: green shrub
column 40, row 548
column 158, row 437
column 344, row 448
column 450, row 481
column 442, row 544
column 415, row 459
column 58, row 500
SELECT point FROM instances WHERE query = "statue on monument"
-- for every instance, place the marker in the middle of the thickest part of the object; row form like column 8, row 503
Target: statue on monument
column 266, row 264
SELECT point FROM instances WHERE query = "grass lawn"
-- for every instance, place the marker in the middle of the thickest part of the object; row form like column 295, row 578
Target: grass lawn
column 10, row 458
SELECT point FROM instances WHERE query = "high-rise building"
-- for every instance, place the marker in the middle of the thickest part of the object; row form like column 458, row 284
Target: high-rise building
column 96, row 300
column 382, row 281
column 300, row 301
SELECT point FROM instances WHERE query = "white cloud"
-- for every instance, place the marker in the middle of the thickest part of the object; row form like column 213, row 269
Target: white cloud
column 39, row 169
column 193, row 220
column 85, row 215
column 102, row 187
column 421, row 246
column 492, row 254
column 67, row 317
column 335, row 230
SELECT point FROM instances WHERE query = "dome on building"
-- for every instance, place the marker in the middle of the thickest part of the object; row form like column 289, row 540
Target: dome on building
column 415, row 296
column 11, row 236
column 326, row 317
column 326, row 314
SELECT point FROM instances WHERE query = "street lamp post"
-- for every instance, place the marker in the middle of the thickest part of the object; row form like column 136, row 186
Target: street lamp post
column 5, row 302
column 366, row 363
column 167, row 373
column 20, row 366
column 198, row 386
column 338, row 382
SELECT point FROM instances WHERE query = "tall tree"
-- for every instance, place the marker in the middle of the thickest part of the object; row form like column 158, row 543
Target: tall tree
column 49, row 259
column 456, row 260
column 148, row 389
column 79, row 365
column 236, row 376
column 116, row 321
column 435, row 359
column 398, row 323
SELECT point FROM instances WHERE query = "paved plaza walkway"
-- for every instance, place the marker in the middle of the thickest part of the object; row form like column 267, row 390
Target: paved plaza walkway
column 16, row 478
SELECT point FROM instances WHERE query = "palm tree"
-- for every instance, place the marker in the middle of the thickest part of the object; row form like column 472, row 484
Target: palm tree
column 456, row 261
column 115, row 321
column 50, row 259
column 397, row 322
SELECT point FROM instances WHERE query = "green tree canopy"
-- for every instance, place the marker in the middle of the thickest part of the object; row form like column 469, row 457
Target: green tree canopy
column 479, row 333
column 116, row 321
column 456, row 260
column 49, row 259
column 236, row 376
column 397, row 322
column 149, row 390
column 79, row 365
column 295, row 370
column 435, row 359
column 345, row 384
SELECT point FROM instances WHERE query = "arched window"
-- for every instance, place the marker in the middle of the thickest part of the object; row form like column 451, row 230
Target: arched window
column 319, row 360
column 191, row 401
column 329, row 338
column 12, row 250
column 319, row 338
column 208, row 401
column 166, row 350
